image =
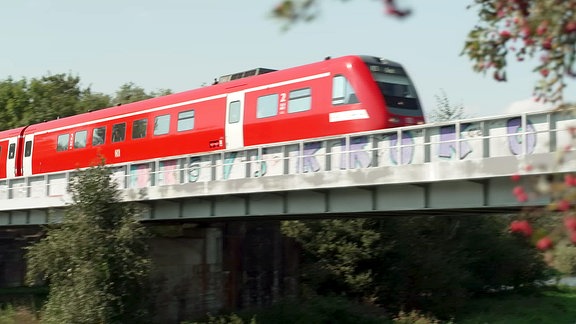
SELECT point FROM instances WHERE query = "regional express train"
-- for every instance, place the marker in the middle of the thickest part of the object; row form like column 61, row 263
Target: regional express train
column 334, row 96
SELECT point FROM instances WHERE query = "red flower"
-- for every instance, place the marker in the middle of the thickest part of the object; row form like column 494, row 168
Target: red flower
column 563, row 205
column 522, row 227
column 542, row 28
column 544, row 243
column 570, row 223
column 515, row 177
column 569, row 180
column 505, row 34
column 573, row 237
column 520, row 194
column 523, row 197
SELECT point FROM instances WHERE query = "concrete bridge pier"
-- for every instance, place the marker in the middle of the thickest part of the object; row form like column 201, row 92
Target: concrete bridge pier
column 205, row 268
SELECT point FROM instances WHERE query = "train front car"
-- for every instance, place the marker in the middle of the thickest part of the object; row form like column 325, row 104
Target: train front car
column 402, row 106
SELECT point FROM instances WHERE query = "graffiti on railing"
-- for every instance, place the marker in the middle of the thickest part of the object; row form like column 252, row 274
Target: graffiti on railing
column 516, row 140
column 428, row 144
column 396, row 147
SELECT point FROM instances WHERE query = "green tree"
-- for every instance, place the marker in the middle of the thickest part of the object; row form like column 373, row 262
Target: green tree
column 52, row 97
column 425, row 263
column 446, row 110
column 26, row 102
column 96, row 260
column 518, row 29
column 129, row 92
column 14, row 102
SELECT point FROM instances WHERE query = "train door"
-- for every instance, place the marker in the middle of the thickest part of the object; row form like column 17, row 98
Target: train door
column 11, row 157
column 27, row 159
column 235, row 120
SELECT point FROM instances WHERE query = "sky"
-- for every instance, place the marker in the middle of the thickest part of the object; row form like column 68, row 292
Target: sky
column 183, row 44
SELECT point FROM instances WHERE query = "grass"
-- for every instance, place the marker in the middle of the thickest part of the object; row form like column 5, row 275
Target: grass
column 552, row 305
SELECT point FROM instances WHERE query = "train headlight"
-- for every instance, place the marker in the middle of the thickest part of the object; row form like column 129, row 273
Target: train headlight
column 394, row 120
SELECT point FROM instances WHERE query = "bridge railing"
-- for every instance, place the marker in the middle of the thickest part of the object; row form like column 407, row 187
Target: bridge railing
column 520, row 136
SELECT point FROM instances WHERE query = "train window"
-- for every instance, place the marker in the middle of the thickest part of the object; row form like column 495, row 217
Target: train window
column 299, row 100
column 139, row 128
column 118, row 132
column 28, row 149
column 342, row 91
column 397, row 89
column 234, row 112
column 98, row 136
column 267, row 106
column 162, row 125
column 186, row 120
column 62, row 144
column 80, row 139
column 12, row 151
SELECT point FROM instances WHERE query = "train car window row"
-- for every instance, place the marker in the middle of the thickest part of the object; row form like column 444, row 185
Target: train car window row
column 342, row 91
column 139, row 130
column 298, row 100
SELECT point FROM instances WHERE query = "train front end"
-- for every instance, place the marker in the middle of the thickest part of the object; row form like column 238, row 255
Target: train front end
column 403, row 106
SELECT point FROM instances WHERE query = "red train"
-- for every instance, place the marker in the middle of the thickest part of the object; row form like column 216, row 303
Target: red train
column 334, row 96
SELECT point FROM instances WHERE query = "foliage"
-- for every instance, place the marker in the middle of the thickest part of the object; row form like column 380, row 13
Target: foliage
column 96, row 261
column 547, row 306
column 226, row 319
column 49, row 97
column 526, row 28
column 542, row 29
column 293, row 11
column 56, row 96
column 427, row 263
column 130, row 92
column 552, row 229
column 564, row 258
column 341, row 245
column 307, row 310
column 17, row 315
column 415, row 317
column 446, row 110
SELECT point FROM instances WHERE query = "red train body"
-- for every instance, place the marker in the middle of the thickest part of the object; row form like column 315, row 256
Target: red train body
column 335, row 96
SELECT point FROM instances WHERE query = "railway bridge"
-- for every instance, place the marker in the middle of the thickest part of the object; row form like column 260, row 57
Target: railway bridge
column 443, row 168
column 216, row 259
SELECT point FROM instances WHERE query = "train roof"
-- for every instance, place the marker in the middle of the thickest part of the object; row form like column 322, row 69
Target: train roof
column 244, row 74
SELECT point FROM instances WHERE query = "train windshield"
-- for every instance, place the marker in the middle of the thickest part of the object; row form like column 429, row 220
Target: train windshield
column 398, row 90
